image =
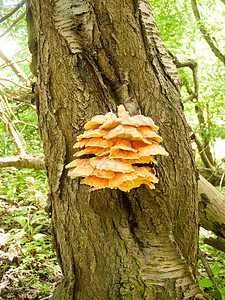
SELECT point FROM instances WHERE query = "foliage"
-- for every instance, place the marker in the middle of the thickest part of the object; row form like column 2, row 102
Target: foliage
column 28, row 265
column 182, row 37
column 216, row 259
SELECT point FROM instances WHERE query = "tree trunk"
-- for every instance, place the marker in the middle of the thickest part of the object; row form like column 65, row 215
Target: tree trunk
column 91, row 56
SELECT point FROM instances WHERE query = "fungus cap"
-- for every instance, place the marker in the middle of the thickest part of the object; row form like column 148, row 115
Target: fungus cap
column 117, row 144
column 92, row 133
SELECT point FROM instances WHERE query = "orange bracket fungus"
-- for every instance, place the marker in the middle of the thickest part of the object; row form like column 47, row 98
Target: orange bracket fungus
column 118, row 146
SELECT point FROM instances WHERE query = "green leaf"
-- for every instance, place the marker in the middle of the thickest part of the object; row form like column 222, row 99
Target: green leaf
column 38, row 218
column 10, row 238
column 39, row 237
column 216, row 294
column 21, row 220
column 206, row 282
column 216, row 270
column 37, row 228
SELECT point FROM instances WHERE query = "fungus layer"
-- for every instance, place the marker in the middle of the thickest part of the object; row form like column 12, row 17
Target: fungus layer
column 117, row 144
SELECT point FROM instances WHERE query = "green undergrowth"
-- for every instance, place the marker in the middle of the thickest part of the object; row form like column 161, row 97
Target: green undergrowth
column 215, row 259
column 29, row 267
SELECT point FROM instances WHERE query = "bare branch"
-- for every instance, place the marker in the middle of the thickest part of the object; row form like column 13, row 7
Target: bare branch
column 17, row 7
column 213, row 176
column 25, row 97
column 16, row 69
column 14, row 62
column 223, row 1
column 13, row 132
column 13, row 24
column 25, row 161
column 204, row 150
column 192, row 64
column 205, row 34
column 202, row 153
column 21, row 86
column 25, row 124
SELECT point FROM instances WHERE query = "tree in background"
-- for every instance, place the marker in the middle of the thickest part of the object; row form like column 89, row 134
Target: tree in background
column 17, row 109
column 200, row 35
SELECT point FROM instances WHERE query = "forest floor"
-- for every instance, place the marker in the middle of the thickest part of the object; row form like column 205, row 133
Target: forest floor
column 28, row 264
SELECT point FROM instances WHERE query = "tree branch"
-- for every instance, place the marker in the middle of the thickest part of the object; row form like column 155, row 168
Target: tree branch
column 214, row 176
column 13, row 24
column 205, row 34
column 21, row 86
column 16, row 69
column 192, row 64
column 25, row 161
column 25, row 97
column 17, row 7
column 13, row 132
column 218, row 243
column 211, row 207
column 202, row 153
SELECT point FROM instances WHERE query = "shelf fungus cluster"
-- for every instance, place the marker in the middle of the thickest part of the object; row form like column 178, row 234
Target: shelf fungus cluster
column 116, row 152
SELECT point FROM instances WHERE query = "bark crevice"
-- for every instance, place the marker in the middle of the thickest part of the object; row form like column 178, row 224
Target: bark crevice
column 113, row 245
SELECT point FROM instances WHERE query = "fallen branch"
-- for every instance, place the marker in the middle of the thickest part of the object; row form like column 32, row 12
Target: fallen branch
column 213, row 175
column 218, row 243
column 211, row 213
column 211, row 208
column 25, row 161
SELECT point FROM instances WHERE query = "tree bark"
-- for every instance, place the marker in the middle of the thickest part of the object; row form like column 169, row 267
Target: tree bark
column 24, row 161
column 211, row 212
column 213, row 175
column 91, row 56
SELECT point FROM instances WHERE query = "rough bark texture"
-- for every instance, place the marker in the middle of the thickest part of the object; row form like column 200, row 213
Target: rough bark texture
column 211, row 212
column 90, row 56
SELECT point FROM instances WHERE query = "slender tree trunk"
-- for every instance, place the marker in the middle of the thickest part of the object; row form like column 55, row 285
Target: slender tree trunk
column 89, row 57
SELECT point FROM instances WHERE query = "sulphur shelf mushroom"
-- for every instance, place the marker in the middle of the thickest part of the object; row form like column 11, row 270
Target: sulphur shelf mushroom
column 117, row 143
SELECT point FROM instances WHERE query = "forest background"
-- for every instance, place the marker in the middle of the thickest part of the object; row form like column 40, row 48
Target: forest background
column 193, row 33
